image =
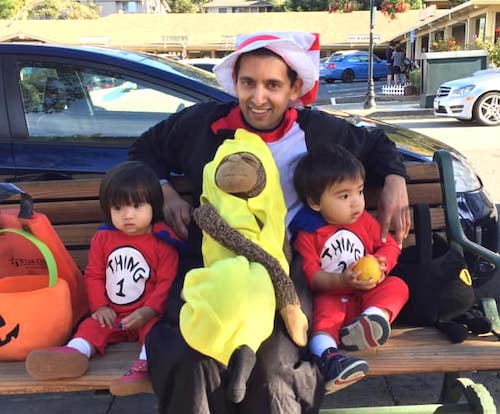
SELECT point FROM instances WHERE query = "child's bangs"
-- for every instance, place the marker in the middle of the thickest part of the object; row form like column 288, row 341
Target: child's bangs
column 127, row 194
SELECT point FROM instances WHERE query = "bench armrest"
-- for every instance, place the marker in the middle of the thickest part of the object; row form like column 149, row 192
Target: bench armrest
column 455, row 232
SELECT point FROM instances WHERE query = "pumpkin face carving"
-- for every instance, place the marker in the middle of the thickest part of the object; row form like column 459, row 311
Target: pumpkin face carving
column 42, row 315
column 10, row 335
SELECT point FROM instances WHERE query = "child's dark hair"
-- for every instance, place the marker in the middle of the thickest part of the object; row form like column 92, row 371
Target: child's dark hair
column 318, row 170
column 131, row 182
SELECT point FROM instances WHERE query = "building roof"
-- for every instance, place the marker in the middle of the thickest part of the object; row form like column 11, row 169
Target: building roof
column 208, row 31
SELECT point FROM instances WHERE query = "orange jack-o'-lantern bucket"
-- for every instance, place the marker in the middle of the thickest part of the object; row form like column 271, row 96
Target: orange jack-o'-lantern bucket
column 35, row 310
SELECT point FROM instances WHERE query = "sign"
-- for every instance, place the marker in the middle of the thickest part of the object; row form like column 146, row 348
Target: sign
column 412, row 36
column 363, row 38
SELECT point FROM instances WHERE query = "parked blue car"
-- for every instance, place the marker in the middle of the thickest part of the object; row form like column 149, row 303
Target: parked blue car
column 350, row 65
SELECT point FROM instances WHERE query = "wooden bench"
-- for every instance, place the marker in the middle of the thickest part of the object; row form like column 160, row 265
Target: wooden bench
column 73, row 208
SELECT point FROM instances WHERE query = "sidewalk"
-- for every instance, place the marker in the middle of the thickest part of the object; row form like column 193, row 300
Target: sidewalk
column 371, row 392
column 386, row 107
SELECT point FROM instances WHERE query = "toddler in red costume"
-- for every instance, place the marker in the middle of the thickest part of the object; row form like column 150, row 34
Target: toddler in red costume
column 334, row 231
column 132, row 263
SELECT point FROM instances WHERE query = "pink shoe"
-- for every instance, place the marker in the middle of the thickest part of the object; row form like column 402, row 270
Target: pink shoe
column 135, row 381
column 55, row 363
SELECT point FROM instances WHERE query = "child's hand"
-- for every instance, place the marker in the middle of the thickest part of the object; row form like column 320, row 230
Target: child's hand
column 138, row 318
column 350, row 279
column 105, row 316
column 383, row 267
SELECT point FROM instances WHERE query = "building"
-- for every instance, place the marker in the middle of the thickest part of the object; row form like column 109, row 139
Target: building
column 126, row 6
column 475, row 19
column 209, row 34
column 237, row 6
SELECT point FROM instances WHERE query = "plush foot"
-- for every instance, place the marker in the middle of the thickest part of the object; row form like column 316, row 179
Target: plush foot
column 366, row 331
column 456, row 332
column 340, row 371
column 55, row 363
column 240, row 367
column 135, row 381
column 296, row 323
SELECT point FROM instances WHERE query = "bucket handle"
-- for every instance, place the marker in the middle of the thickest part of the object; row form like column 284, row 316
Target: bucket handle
column 47, row 254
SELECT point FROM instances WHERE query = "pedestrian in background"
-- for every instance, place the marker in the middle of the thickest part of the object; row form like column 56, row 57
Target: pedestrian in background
column 388, row 58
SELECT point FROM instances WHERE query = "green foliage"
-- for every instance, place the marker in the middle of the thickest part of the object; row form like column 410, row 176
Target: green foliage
column 64, row 9
column 493, row 50
column 7, row 9
column 183, row 6
column 416, row 78
column 305, row 5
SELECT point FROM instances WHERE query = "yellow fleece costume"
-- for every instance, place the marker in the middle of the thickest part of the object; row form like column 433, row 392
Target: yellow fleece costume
column 231, row 301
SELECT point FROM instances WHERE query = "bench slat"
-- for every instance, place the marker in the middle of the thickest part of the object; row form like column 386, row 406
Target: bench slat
column 408, row 351
column 116, row 361
column 426, row 350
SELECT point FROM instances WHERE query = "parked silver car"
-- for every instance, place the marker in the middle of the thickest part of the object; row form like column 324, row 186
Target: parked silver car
column 474, row 98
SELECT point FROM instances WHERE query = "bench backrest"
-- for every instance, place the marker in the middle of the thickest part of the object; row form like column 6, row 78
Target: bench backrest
column 73, row 208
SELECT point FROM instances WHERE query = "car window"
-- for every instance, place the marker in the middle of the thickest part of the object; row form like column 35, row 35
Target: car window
column 336, row 57
column 66, row 101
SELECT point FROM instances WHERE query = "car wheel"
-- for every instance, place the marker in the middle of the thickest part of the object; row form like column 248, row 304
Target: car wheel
column 348, row 76
column 487, row 109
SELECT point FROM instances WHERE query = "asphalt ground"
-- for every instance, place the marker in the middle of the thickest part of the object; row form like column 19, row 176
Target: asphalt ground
column 371, row 392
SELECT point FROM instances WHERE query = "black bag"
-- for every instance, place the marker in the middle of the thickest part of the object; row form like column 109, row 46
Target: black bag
column 437, row 276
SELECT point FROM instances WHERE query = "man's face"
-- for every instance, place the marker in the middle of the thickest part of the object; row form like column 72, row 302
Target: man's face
column 264, row 90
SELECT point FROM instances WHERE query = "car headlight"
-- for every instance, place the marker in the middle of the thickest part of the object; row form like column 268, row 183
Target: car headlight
column 465, row 178
column 464, row 90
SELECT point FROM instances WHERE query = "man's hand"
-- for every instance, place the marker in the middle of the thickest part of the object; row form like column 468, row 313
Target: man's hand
column 105, row 316
column 176, row 210
column 393, row 209
column 138, row 318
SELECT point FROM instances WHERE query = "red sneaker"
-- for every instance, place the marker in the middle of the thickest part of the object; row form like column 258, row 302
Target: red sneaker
column 135, row 381
column 55, row 363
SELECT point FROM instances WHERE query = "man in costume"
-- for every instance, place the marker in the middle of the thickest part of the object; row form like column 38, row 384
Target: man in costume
column 273, row 75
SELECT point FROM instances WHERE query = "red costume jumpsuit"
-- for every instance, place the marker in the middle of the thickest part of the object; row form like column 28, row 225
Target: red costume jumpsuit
column 333, row 248
column 126, row 273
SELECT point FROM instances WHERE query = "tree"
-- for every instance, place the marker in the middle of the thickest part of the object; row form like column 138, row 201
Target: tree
column 64, row 9
column 7, row 9
column 305, row 5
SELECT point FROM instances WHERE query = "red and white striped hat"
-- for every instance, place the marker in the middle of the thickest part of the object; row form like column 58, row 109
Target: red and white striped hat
column 298, row 49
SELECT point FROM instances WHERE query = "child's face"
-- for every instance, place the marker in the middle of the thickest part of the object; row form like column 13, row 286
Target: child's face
column 342, row 202
column 133, row 219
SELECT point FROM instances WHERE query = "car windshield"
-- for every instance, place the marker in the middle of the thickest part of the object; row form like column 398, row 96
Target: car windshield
column 184, row 69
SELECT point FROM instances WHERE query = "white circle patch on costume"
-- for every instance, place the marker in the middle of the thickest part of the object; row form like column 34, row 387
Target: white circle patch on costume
column 340, row 250
column 127, row 272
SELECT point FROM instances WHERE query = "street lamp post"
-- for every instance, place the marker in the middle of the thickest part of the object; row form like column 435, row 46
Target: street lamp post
column 370, row 93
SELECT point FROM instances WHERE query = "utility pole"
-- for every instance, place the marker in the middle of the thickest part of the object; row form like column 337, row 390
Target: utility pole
column 370, row 93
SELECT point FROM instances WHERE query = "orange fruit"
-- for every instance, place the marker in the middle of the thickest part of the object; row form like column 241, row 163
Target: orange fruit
column 369, row 267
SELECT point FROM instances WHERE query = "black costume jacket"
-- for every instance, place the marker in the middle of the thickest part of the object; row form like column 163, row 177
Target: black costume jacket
column 184, row 381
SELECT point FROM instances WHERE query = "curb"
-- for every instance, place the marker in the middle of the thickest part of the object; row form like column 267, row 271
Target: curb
column 387, row 107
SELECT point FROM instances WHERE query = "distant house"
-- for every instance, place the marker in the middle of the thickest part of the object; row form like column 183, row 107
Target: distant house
column 124, row 6
column 237, row 6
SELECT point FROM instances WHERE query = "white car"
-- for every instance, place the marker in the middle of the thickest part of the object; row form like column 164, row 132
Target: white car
column 474, row 98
